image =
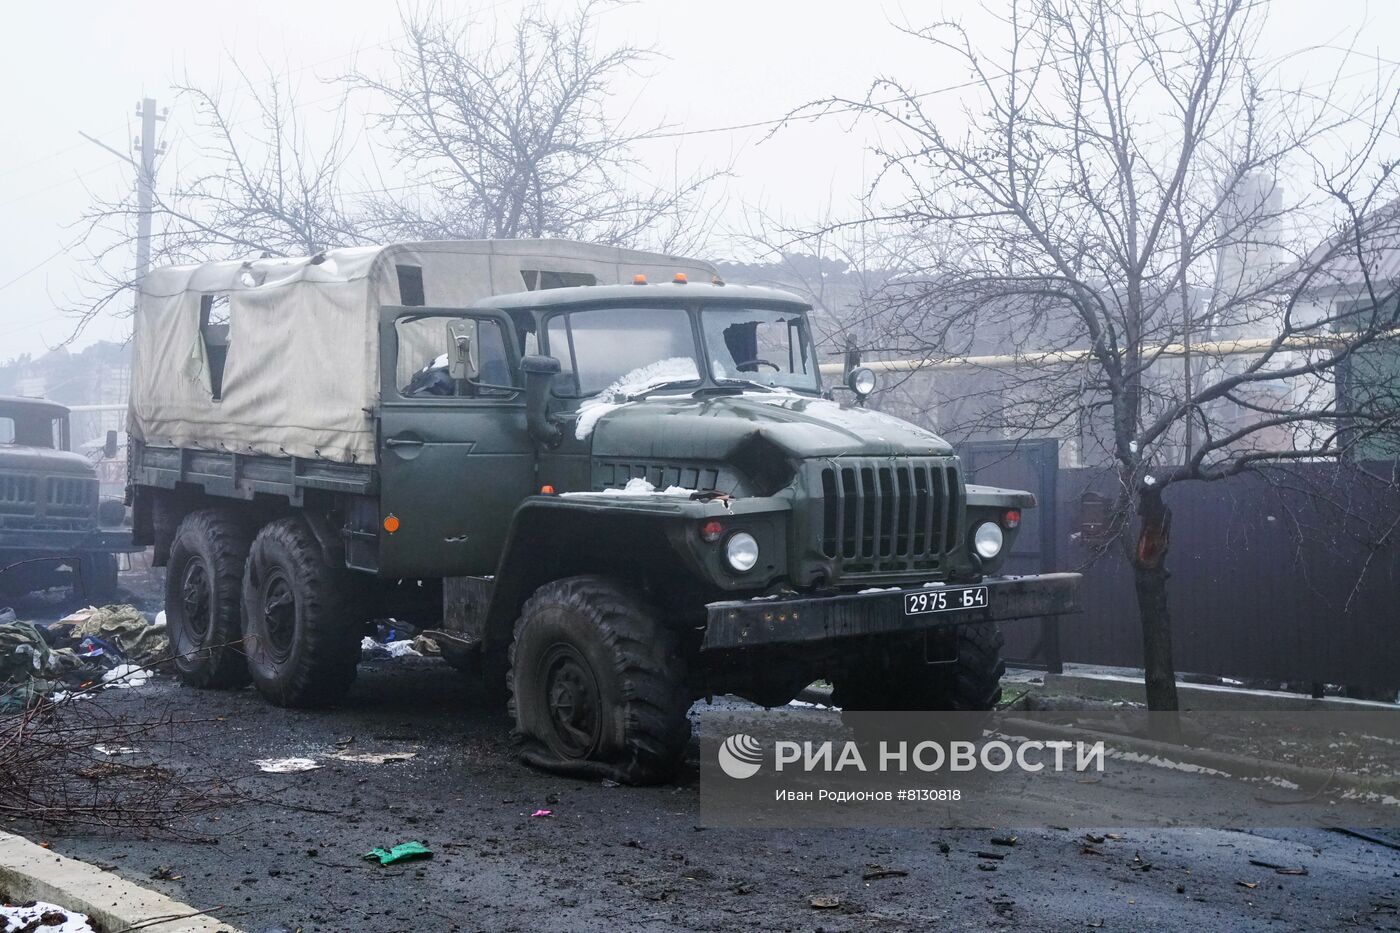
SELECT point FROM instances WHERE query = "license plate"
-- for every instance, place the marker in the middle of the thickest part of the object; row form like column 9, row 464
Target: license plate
column 944, row 600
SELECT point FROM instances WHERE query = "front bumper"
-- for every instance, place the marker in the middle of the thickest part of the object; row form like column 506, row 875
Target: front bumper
column 64, row 543
column 804, row 620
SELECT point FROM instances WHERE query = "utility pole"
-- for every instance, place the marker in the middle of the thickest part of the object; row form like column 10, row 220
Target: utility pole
column 146, row 185
column 147, row 149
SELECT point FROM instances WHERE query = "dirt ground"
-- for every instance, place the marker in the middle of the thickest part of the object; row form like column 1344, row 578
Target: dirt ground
column 618, row 858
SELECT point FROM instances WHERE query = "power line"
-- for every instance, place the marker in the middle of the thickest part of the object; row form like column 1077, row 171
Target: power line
column 36, row 267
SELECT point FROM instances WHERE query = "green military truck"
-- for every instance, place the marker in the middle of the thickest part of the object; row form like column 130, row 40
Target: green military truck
column 608, row 483
column 54, row 530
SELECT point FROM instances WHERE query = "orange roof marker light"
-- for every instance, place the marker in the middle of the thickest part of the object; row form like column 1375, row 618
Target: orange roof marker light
column 391, row 523
column 639, row 279
column 546, row 490
column 680, row 278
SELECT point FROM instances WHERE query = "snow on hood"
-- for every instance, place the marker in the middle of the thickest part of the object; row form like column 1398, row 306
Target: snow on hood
column 636, row 486
column 615, row 396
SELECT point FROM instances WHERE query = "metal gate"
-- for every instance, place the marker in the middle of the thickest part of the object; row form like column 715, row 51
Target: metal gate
column 1032, row 465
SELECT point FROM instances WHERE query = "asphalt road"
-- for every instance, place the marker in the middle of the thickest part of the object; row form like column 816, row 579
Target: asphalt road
column 618, row 858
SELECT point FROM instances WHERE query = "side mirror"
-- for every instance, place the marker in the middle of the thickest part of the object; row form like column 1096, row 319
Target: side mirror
column 109, row 447
column 461, row 364
column 539, row 377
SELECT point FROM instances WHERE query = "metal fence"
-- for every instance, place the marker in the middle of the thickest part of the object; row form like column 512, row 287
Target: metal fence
column 1290, row 574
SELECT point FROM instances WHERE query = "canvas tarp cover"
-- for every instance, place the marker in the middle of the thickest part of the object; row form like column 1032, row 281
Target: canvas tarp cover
column 302, row 366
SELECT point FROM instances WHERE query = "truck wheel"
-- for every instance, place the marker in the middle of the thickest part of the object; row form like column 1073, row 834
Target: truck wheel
column 97, row 574
column 597, row 684
column 898, row 679
column 203, row 595
column 299, row 631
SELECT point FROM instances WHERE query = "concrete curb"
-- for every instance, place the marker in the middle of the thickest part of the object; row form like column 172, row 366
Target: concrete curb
column 1204, row 697
column 31, row 872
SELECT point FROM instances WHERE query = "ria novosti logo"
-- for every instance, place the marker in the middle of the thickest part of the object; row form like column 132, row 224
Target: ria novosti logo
column 740, row 756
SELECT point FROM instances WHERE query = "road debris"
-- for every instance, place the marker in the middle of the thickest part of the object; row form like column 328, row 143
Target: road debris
column 1004, row 840
column 542, row 813
column 824, row 901
column 286, row 765
column 373, row 758
column 403, row 852
column 994, row 856
column 875, row 873
column 1279, row 869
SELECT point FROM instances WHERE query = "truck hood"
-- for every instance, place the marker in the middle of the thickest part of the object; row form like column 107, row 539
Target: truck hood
column 41, row 459
column 716, row 427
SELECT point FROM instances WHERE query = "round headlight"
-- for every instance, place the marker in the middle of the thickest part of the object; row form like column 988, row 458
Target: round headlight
column 741, row 551
column 862, row 381
column 988, row 539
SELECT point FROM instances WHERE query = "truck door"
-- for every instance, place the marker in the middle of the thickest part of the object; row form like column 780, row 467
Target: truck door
column 455, row 458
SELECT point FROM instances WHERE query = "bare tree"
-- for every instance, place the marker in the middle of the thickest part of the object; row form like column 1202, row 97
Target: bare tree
column 509, row 136
column 1158, row 250
column 267, row 184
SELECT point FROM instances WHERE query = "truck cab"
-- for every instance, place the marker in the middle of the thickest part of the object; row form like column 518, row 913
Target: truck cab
column 53, row 528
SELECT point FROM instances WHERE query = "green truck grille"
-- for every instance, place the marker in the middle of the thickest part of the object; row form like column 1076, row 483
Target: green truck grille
column 888, row 515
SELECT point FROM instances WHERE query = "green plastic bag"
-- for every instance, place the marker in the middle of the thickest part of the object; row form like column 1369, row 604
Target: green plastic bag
column 403, row 852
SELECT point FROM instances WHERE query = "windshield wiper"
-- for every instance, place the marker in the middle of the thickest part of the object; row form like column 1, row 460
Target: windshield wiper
column 729, row 381
column 658, row 387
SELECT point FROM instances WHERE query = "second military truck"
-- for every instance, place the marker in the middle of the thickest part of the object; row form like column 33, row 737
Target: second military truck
column 607, row 482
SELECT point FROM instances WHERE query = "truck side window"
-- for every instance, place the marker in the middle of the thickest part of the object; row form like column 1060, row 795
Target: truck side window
column 423, row 365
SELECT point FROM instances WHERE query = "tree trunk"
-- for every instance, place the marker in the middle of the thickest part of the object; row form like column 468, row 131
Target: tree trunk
column 1150, row 576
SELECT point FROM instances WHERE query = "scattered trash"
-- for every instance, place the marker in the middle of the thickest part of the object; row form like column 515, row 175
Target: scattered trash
column 1247, row 884
column 875, row 873
column 38, row 915
column 824, row 901
column 126, row 675
column 403, row 852
column 53, row 660
column 426, row 646
column 987, row 866
column 1004, row 840
column 1138, row 863
column 995, row 856
column 402, row 649
column 111, row 750
column 286, row 765
column 1278, row 869
column 374, row 758
column 1096, row 840
column 125, row 627
column 542, row 813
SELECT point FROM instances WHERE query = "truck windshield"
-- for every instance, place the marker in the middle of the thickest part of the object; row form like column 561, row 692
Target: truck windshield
column 630, row 350
column 621, row 349
column 764, row 345
column 31, row 431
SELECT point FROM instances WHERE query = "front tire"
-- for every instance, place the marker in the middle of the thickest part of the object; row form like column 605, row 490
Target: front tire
column 299, row 632
column 597, row 684
column 98, row 572
column 203, row 599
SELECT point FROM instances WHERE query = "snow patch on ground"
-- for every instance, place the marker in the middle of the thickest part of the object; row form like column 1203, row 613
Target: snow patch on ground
column 43, row 916
column 615, row 396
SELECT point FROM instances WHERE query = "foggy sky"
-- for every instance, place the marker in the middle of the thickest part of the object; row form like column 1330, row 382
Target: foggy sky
column 82, row 65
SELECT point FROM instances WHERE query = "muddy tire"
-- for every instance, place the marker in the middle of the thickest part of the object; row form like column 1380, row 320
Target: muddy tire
column 203, row 599
column 597, row 684
column 900, row 680
column 300, row 633
column 98, row 577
